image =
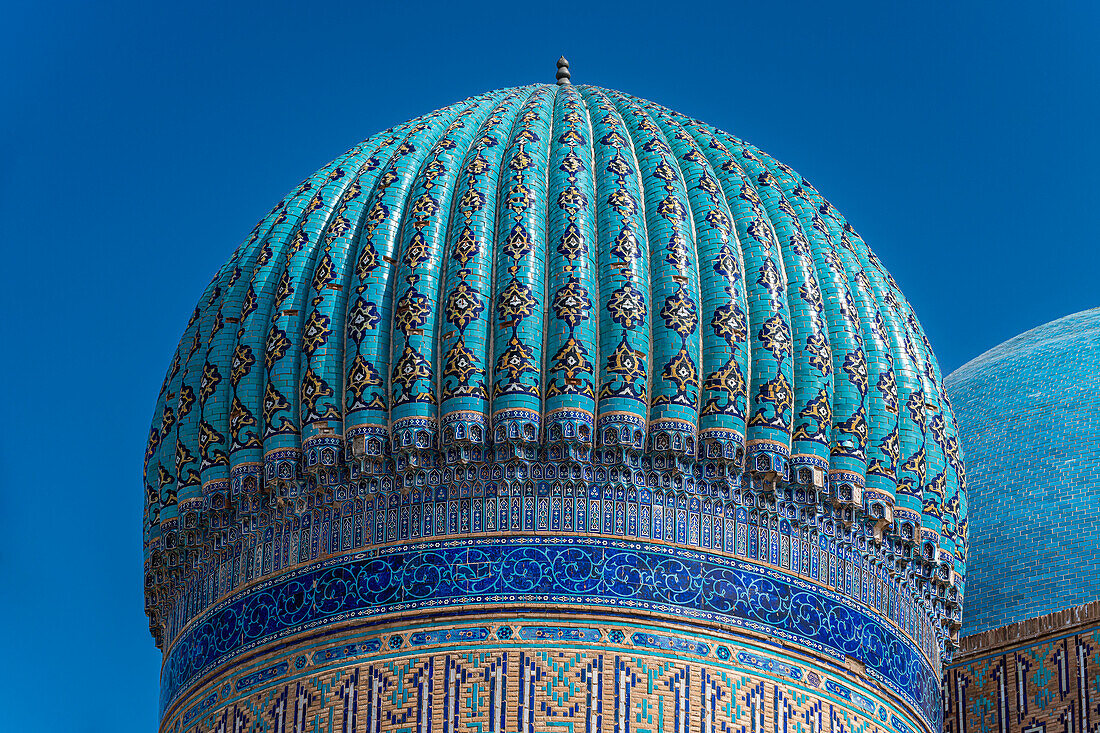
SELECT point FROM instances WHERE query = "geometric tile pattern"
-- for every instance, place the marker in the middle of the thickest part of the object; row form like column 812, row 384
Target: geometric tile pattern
column 1050, row 685
column 324, row 329
column 1029, row 416
column 631, row 577
column 527, row 674
column 710, row 532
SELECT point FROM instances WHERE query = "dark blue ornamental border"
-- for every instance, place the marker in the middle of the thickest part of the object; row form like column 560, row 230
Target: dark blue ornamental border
column 526, row 572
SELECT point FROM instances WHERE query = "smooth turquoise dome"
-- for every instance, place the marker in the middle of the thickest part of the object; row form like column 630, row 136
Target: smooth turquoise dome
column 564, row 276
column 1029, row 419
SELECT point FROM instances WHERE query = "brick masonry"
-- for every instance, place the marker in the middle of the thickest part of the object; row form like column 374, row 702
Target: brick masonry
column 1029, row 420
column 535, row 673
column 1041, row 675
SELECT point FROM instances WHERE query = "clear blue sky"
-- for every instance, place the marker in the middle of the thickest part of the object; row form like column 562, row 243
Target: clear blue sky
column 139, row 144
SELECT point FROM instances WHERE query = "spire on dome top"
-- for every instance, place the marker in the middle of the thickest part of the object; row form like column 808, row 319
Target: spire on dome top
column 563, row 71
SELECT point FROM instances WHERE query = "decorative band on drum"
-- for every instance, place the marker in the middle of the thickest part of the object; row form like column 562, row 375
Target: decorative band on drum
column 556, row 572
column 725, row 662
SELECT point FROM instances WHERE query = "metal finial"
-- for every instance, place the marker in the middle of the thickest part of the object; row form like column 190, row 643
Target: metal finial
column 563, row 71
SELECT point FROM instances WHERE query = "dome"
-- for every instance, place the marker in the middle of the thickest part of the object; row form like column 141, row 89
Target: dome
column 557, row 315
column 557, row 268
column 1029, row 414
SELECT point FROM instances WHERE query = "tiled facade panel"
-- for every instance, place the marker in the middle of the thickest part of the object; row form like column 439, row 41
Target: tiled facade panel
column 1029, row 415
column 1047, row 687
column 530, row 674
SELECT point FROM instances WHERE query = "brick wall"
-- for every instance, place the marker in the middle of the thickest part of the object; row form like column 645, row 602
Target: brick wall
column 1036, row 676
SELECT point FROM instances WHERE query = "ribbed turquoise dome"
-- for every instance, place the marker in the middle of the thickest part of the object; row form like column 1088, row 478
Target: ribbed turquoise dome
column 565, row 274
column 1029, row 419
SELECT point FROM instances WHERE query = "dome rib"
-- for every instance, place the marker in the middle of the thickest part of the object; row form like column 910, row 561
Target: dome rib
column 572, row 345
column 564, row 274
column 723, row 422
column 674, row 288
column 464, row 373
column 367, row 367
column 850, row 364
column 716, row 245
column 413, row 394
column 625, row 338
column 255, row 349
column 214, row 388
column 283, row 400
column 156, row 502
column 322, row 368
column 519, row 271
column 769, row 418
column 188, row 483
column 813, row 383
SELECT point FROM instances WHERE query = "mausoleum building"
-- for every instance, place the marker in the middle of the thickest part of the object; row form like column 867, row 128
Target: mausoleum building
column 554, row 410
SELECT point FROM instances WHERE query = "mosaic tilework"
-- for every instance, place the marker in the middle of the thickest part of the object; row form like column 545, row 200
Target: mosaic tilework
column 547, row 350
column 530, row 674
column 1029, row 417
column 719, row 534
column 632, row 577
column 348, row 268
column 1045, row 682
